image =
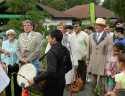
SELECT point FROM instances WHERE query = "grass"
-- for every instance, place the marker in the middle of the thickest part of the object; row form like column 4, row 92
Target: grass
column 33, row 91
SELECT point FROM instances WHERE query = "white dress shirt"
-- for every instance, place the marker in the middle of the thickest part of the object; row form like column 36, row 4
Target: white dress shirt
column 99, row 35
column 79, row 45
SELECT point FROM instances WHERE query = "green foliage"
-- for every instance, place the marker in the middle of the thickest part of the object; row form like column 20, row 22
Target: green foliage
column 44, row 30
column 57, row 4
column 118, row 6
column 30, row 11
column 52, row 27
column 108, row 4
column 20, row 6
column 72, row 3
column 63, row 4
column 12, row 24
column 38, row 17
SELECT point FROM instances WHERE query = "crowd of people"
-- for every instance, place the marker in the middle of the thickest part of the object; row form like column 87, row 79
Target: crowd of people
column 17, row 52
column 96, row 55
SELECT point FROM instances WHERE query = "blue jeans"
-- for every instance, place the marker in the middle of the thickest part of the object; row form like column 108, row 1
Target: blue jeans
column 36, row 63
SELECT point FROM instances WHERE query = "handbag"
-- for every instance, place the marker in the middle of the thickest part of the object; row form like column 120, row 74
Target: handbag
column 76, row 85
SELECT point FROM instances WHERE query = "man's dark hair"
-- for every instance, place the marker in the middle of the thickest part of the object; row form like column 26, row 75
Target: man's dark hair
column 77, row 23
column 57, row 34
column 69, row 27
column 118, row 21
column 90, row 28
column 119, row 29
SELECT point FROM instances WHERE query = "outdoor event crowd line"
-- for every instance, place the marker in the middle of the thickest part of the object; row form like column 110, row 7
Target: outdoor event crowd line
column 74, row 56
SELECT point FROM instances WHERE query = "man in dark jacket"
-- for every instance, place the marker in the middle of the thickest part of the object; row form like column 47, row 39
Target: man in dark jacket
column 55, row 73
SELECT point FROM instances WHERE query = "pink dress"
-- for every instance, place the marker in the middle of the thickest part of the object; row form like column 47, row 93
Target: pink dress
column 111, row 67
column 111, row 70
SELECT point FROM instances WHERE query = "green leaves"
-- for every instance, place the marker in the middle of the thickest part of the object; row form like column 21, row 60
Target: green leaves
column 118, row 6
column 29, row 9
column 19, row 6
column 63, row 4
column 57, row 4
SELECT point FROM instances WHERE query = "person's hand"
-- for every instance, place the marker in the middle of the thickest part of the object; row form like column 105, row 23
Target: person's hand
column 24, row 60
column 4, row 66
column 110, row 94
column 31, row 82
column 7, row 53
column 76, row 68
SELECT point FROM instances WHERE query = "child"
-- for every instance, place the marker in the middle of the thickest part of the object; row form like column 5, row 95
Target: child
column 120, row 77
column 111, row 69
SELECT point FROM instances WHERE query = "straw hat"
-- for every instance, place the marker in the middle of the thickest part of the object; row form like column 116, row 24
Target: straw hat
column 100, row 21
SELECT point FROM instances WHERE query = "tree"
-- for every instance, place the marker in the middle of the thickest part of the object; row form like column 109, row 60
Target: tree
column 27, row 8
column 57, row 4
column 72, row 3
column 117, row 6
column 108, row 4
column 3, row 7
column 63, row 4
column 20, row 6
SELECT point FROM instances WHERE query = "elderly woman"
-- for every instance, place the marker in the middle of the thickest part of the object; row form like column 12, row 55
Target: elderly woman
column 11, row 61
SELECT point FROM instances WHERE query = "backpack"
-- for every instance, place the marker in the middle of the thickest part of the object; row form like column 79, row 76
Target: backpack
column 67, row 60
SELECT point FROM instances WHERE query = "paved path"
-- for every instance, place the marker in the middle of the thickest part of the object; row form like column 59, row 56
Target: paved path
column 87, row 91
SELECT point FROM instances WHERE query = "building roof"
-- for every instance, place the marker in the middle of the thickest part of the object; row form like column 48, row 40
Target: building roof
column 79, row 12
column 82, row 11
column 55, row 13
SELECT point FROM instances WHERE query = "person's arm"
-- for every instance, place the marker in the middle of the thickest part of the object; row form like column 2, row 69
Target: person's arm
column 88, row 51
column 2, row 50
column 86, row 43
column 117, row 87
column 51, row 68
column 41, row 76
column 18, row 52
column 109, row 48
column 22, row 60
column 118, row 84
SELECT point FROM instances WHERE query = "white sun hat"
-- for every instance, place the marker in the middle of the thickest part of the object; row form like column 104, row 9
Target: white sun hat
column 10, row 31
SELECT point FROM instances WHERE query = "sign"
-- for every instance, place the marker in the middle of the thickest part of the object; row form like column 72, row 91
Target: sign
column 4, row 79
column 92, row 11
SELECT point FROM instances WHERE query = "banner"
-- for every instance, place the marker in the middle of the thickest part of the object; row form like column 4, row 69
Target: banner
column 4, row 79
column 92, row 11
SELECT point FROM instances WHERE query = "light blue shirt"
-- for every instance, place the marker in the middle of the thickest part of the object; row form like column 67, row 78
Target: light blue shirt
column 12, row 48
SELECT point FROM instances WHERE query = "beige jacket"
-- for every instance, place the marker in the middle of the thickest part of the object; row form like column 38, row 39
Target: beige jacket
column 99, row 53
column 29, row 45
